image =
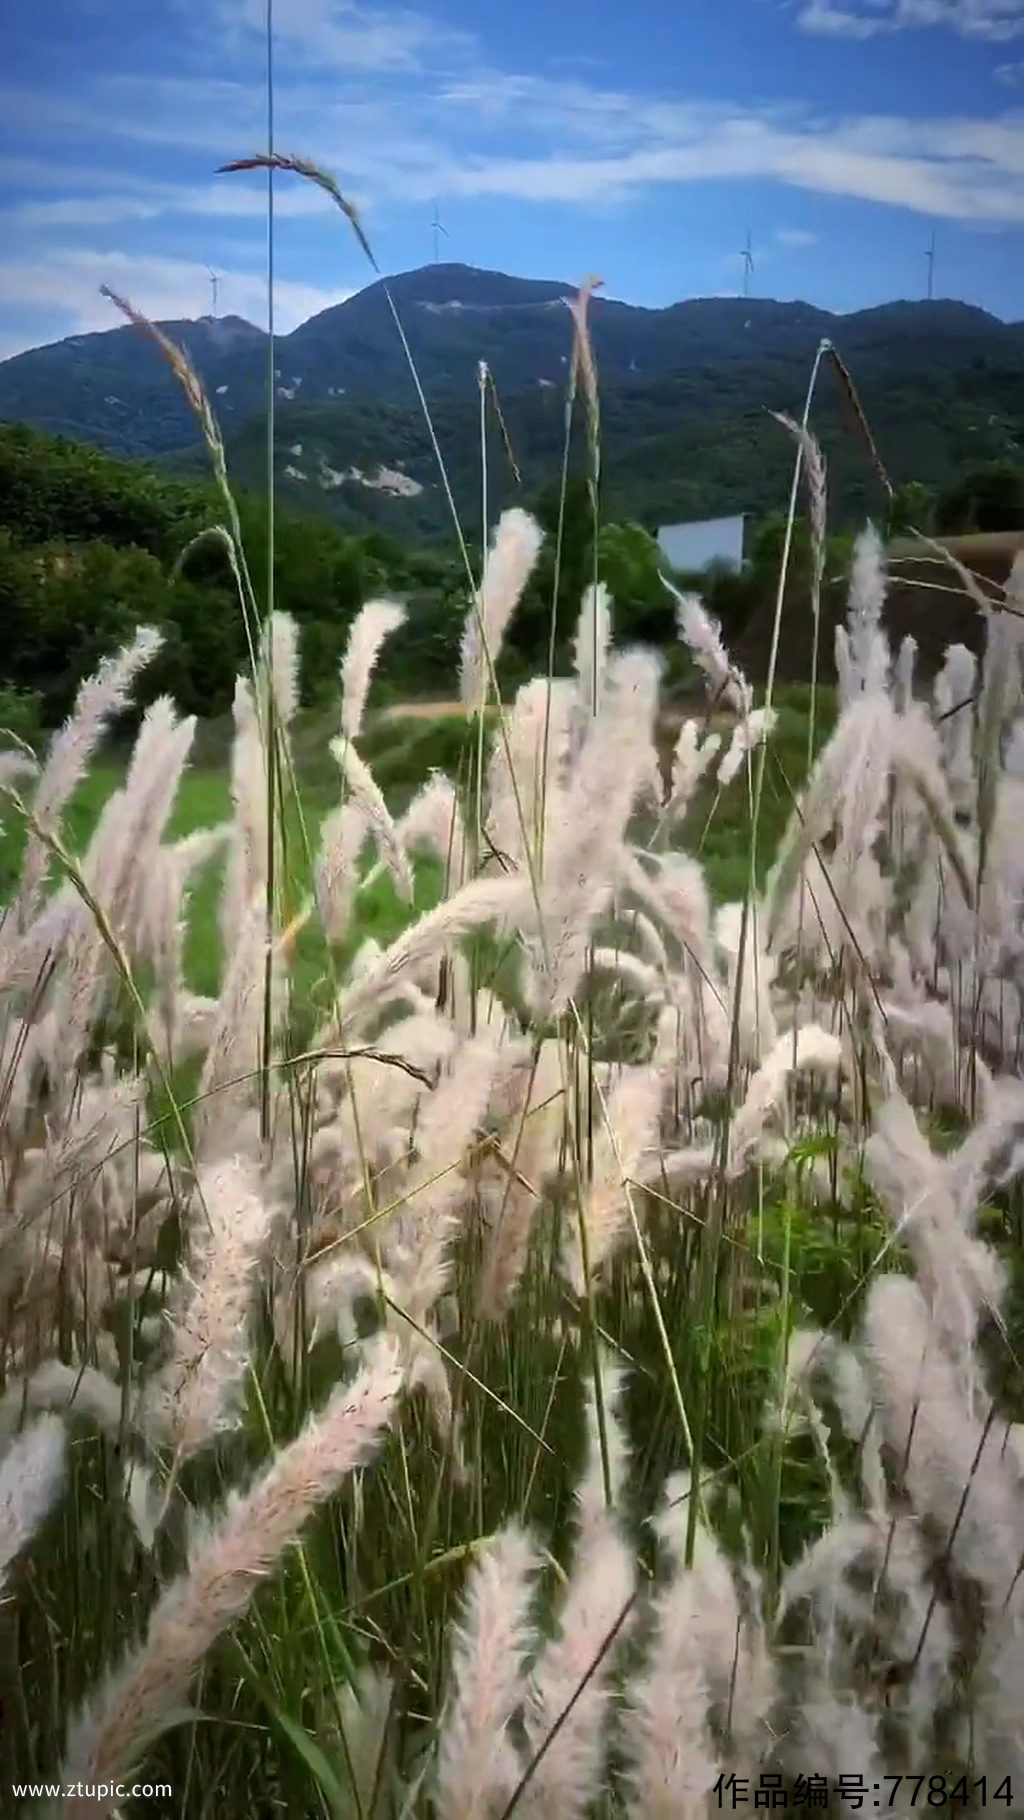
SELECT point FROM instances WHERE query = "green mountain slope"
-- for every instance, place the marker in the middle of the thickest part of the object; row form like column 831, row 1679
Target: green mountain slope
column 688, row 447
column 687, row 396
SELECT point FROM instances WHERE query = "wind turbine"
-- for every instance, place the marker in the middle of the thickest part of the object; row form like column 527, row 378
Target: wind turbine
column 748, row 265
column 438, row 228
column 214, row 285
column 930, row 258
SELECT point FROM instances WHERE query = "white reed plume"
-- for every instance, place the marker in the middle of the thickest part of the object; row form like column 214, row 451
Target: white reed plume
column 593, row 638
column 63, row 1389
column 249, row 855
column 807, row 1048
column 848, row 784
column 416, row 1238
column 629, row 1125
column 375, row 623
column 125, row 839
column 99, row 700
column 569, row 1695
column 954, row 710
column 670, row 1763
column 932, row 1202
column 817, row 488
column 369, row 800
column 507, row 569
column 748, row 734
column 528, row 771
column 484, row 900
column 903, row 674
column 953, row 1462
column 869, row 647
column 477, row 1767
column 847, row 680
column 31, row 1480
column 690, row 760
column 582, row 857
column 233, row 1058
column 199, row 1391
column 108, row 1739
column 700, row 633
column 567, row 1706
column 336, row 872
column 279, row 658
column 534, row 1131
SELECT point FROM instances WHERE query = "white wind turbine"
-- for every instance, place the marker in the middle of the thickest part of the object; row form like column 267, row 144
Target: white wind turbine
column 438, row 229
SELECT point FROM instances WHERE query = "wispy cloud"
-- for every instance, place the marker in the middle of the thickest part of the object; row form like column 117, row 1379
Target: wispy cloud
column 595, row 146
column 66, row 282
column 956, row 169
column 404, row 107
column 991, row 21
column 156, row 201
column 322, row 34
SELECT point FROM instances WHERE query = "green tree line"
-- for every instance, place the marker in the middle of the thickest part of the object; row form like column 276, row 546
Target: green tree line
column 91, row 546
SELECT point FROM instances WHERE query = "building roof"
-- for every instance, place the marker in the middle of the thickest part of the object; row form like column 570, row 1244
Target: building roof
column 703, row 541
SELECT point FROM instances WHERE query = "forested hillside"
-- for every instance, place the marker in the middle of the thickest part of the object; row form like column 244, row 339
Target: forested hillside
column 92, row 546
column 688, row 395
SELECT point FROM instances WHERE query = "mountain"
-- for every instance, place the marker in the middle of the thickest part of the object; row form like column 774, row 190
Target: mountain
column 114, row 387
column 687, row 394
column 680, row 449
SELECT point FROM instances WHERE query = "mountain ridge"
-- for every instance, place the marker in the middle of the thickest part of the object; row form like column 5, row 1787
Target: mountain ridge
column 112, row 385
column 689, row 393
column 417, row 282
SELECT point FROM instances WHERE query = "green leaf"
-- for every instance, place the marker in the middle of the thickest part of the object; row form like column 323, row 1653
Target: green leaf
column 323, row 1770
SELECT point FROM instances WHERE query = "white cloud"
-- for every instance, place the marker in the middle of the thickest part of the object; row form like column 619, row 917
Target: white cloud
column 339, row 34
column 380, row 140
column 428, row 118
column 588, row 145
column 224, row 201
column 404, row 110
column 64, row 285
column 993, row 21
column 603, row 143
column 961, row 169
column 838, row 22
column 1010, row 74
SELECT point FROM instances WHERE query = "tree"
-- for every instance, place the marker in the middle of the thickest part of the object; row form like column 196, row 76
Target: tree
column 767, row 546
column 630, row 564
column 990, row 499
column 912, row 508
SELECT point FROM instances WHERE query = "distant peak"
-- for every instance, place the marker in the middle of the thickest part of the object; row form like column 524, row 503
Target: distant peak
column 228, row 327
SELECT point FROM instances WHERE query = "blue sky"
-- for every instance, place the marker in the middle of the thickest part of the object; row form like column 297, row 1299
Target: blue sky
column 637, row 140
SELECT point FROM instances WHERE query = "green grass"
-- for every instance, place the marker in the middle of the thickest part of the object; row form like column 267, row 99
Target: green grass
column 401, row 757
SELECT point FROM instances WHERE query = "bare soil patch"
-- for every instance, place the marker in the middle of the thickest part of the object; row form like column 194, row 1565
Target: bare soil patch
column 423, row 710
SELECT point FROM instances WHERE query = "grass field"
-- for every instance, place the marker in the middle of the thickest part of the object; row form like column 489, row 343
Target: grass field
column 709, row 1141
column 402, row 748
column 401, row 759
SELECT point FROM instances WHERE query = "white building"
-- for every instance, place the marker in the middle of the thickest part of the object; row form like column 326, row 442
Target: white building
column 689, row 548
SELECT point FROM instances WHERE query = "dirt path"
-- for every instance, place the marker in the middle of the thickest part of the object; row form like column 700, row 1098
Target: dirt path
column 423, row 710
column 670, row 722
